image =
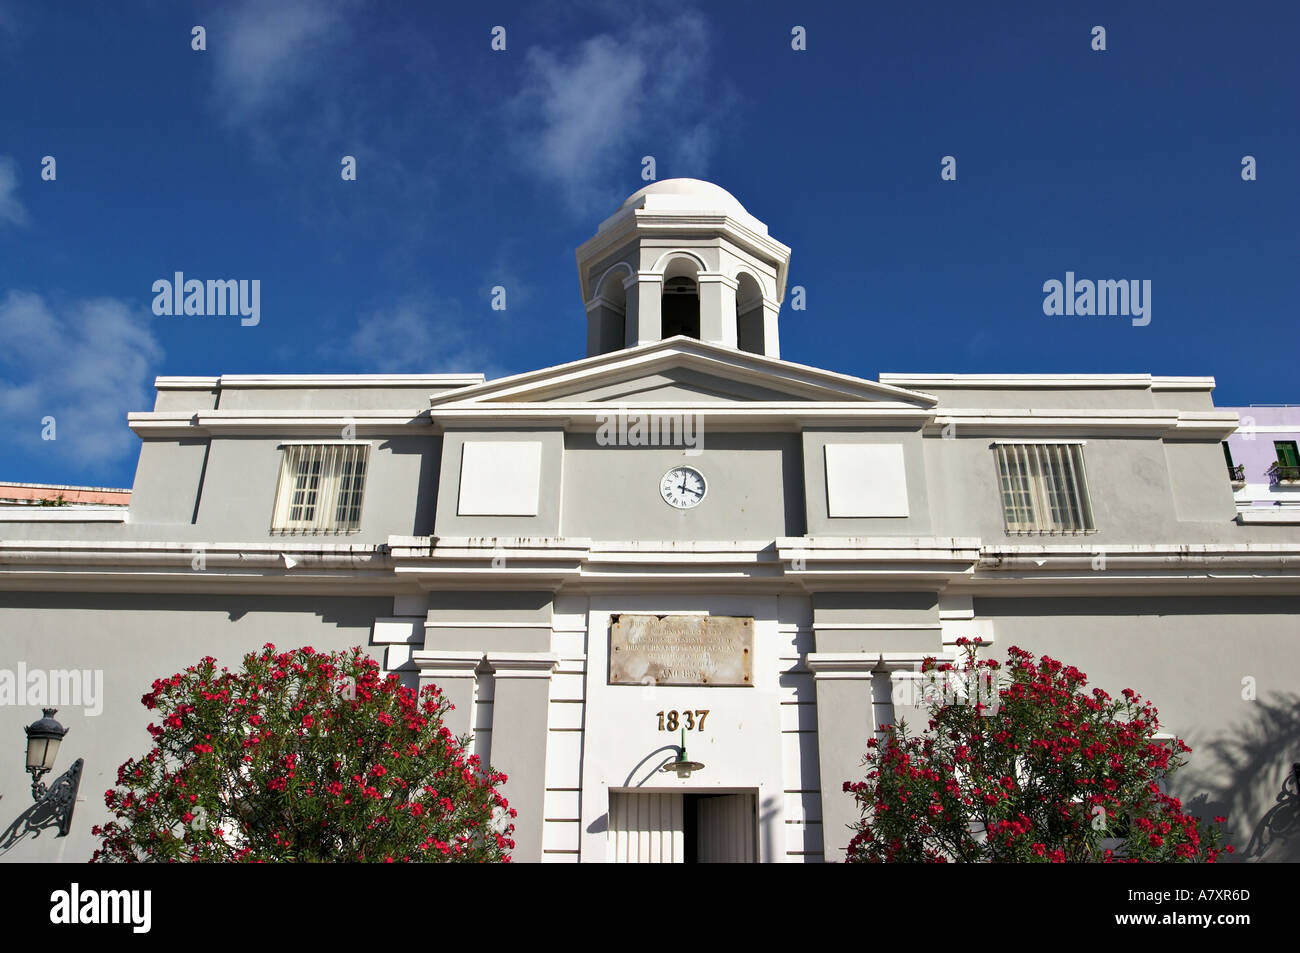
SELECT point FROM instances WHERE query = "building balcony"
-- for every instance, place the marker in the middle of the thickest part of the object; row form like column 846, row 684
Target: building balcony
column 1282, row 474
column 1237, row 475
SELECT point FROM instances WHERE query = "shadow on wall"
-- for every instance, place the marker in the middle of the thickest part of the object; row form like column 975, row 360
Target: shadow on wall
column 46, row 816
column 1253, row 783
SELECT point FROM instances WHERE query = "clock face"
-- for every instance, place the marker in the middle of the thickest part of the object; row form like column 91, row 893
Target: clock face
column 683, row 487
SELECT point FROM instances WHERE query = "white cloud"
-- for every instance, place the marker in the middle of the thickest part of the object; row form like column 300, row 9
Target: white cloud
column 264, row 54
column 420, row 334
column 586, row 118
column 86, row 363
column 12, row 211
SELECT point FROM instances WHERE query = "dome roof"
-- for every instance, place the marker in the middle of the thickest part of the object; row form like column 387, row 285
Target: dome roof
column 688, row 193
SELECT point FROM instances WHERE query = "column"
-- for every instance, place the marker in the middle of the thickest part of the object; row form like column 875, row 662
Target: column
column 520, row 722
column 844, row 723
column 718, row 309
column 644, row 309
column 771, row 337
column 455, row 673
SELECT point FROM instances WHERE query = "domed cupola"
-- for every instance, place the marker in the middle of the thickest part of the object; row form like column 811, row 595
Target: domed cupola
column 682, row 256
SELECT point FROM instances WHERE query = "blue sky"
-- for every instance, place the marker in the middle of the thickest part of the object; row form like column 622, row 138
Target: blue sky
column 479, row 168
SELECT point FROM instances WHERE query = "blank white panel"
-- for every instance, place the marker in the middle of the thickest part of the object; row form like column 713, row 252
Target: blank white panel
column 567, row 687
column 564, row 759
column 865, row 479
column 806, row 837
column 562, row 806
column 560, row 835
column 500, row 478
column 565, row 714
column 803, row 806
column 801, row 717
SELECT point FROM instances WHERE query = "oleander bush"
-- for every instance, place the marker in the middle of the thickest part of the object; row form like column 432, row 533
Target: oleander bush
column 302, row 756
column 1025, row 764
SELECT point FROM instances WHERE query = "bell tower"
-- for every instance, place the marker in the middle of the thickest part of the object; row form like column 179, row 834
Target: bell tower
column 682, row 256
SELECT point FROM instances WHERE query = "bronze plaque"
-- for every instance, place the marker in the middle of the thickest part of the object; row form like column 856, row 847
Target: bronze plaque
column 681, row 650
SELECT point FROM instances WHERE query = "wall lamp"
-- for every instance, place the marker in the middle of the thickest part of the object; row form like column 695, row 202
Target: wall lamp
column 683, row 765
column 43, row 740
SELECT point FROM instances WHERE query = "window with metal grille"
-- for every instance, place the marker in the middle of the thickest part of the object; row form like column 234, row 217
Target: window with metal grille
column 320, row 488
column 1044, row 488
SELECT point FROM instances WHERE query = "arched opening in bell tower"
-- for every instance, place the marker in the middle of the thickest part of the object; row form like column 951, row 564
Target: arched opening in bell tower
column 749, row 314
column 680, row 301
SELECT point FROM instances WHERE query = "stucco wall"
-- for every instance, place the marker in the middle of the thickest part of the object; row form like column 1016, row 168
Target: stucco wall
column 1198, row 659
column 134, row 639
column 754, row 489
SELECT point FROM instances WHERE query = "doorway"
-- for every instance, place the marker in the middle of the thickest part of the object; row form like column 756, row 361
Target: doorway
column 684, row 828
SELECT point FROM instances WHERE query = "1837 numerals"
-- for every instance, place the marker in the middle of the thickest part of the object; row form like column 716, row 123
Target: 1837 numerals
column 690, row 720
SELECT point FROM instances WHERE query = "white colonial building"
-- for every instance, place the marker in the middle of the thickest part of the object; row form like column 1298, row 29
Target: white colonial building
column 679, row 536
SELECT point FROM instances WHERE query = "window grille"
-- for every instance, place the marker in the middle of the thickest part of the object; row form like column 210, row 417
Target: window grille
column 320, row 489
column 1044, row 488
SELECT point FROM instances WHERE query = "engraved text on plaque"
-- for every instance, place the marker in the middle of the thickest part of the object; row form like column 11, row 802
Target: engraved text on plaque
column 681, row 650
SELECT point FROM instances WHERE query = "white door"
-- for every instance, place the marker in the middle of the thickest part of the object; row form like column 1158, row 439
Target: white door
column 646, row 828
column 673, row 828
column 726, row 829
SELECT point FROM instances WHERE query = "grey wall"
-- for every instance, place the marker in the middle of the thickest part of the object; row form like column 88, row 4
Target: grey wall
column 820, row 523
column 1197, row 659
column 134, row 639
column 1133, row 484
column 754, row 489
column 547, row 521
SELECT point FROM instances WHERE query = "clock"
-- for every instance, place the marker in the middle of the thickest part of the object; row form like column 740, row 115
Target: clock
column 683, row 487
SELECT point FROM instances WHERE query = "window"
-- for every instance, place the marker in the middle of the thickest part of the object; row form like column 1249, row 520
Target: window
column 320, row 488
column 1044, row 488
column 1236, row 471
column 1287, row 467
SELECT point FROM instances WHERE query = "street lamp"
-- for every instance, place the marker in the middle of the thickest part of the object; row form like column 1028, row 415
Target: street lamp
column 43, row 740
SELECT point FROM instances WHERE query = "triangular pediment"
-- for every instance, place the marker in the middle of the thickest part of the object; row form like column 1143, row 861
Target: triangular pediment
column 681, row 370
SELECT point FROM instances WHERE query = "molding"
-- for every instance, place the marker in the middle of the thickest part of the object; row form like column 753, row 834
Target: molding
column 863, row 665
column 262, row 381
column 446, row 663
column 71, row 513
column 186, row 383
column 288, row 423
column 1066, row 381
column 522, row 664
column 1285, row 515
column 1183, row 425
column 679, row 351
column 630, row 223
column 957, row 568
column 852, row 626
column 717, row 278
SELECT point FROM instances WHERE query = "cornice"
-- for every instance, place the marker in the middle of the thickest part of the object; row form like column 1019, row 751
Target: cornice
column 270, row 423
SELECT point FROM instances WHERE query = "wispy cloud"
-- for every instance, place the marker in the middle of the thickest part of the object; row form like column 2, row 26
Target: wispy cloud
column 587, row 116
column 85, row 363
column 12, row 211
column 420, row 333
column 265, row 54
